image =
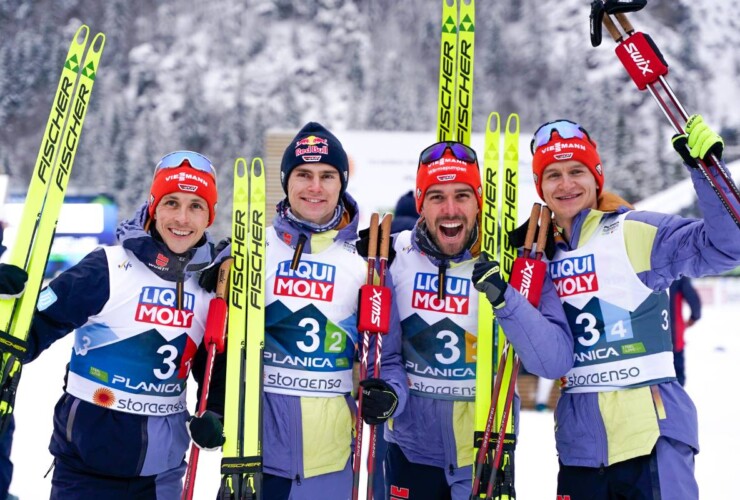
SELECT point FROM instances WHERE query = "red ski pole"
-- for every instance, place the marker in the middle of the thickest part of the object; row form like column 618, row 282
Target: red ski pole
column 214, row 341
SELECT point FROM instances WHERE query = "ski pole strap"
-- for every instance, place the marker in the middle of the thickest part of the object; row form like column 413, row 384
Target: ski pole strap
column 241, row 465
column 13, row 345
column 509, row 440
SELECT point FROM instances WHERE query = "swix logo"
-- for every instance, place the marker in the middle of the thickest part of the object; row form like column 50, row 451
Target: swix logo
column 187, row 188
column 563, row 156
column 376, row 307
column 426, row 290
column 637, row 58
column 527, row 274
column 161, row 260
column 446, row 178
column 399, row 493
column 159, row 306
column 574, row 275
column 311, row 280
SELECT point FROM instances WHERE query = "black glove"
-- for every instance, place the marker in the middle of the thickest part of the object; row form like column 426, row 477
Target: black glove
column 364, row 242
column 12, row 281
column 698, row 142
column 518, row 235
column 209, row 276
column 206, row 431
column 379, row 401
column 487, row 279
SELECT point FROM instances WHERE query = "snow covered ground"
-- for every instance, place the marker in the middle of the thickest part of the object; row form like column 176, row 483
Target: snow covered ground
column 713, row 355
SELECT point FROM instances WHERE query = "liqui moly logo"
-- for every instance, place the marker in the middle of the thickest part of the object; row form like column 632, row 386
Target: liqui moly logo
column 159, row 306
column 426, row 294
column 574, row 275
column 311, row 280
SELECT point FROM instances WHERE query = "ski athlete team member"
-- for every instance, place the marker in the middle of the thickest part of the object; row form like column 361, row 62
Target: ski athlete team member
column 311, row 324
column 121, row 428
column 682, row 290
column 12, row 284
column 430, row 437
column 624, row 425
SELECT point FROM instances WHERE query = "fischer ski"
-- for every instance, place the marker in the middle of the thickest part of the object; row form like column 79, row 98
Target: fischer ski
column 499, row 217
column 214, row 338
column 455, row 102
column 241, row 465
column 43, row 204
column 647, row 68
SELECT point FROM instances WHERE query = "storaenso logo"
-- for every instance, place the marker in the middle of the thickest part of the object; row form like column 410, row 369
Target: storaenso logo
column 463, row 92
column 445, row 90
column 237, row 249
column 73, row 135
column 638, row 58
column 256, row 260
column 55, row 128
column 488, row 221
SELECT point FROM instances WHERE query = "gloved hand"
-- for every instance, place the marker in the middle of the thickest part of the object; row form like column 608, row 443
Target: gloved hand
column 12, row 281
column 518, row 235
column 379, row 401
column 209, row 276
column 206, row 431
column 698, row 142
column 487, row 279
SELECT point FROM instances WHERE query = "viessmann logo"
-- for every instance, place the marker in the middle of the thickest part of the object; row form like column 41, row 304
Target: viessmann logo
column 574, row 275
column 426, row 290
column 159, row 306
column 311, row 280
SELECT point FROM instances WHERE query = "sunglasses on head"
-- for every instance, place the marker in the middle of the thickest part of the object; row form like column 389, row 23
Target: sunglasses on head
column 196, row 160
column 566, row 129
column 437, row 151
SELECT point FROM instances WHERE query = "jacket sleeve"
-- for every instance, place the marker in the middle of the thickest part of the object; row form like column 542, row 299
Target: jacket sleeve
column 69, row 300
column 540, row 336
column 664, row 247
column 391, row 363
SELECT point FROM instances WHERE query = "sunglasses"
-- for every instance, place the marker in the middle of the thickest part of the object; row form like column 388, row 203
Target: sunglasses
column 196, row 160
column 437, row 151
column 566, row 129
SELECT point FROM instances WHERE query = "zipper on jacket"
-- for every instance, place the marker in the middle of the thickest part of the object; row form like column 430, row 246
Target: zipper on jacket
column 452, row 470
column 298, row 252
column 441, row 282
column 298, row 479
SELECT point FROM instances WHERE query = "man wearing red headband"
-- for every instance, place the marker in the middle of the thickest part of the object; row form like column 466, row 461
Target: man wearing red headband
column 121, row 429
column 625, row 428
column 430, row 452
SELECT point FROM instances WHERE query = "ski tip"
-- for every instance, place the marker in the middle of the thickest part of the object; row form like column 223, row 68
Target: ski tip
column 258, row 167
column 512, row 121
column 494, row 119
column 83, row 32
column 98, row 43
column 240, row 167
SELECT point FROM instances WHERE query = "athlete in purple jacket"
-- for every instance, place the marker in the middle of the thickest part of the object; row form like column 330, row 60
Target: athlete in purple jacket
column 625, row 428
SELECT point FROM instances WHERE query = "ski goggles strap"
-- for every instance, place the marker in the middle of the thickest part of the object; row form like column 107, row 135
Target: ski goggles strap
column 196, row 160
column 437, row 151
column 566, row 129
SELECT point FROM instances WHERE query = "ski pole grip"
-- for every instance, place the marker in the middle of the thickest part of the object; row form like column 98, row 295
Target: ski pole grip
column 545, row 217
column 625, row 23
column 372, row 247
column 531, row 228
column 612, row 29
column 385, row 235
column 222, row 282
